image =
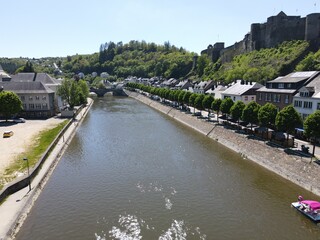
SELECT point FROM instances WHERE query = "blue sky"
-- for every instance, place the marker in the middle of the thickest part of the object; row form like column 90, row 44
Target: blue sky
column 42, row 28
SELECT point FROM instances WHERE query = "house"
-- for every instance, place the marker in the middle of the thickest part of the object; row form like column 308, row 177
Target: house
column 3, row 75
column 216, row 92
column 281, row 90
column 241, row 90
column 37, row 99
column 307, row 99
column 46, row 79
column 184, row 85
column 203, row 86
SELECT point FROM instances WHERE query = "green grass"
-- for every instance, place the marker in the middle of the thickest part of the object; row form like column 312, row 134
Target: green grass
column 39, row 146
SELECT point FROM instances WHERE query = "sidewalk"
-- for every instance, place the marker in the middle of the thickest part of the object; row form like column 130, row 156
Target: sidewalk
column 17, row 206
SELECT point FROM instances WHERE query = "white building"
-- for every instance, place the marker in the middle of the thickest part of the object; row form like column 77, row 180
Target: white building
column 241, row 90
column 307, row 100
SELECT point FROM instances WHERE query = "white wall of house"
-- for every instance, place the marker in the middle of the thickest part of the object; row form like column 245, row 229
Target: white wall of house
column 306, row 105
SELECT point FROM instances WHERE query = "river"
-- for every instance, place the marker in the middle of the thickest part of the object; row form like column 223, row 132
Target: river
column 133, row 173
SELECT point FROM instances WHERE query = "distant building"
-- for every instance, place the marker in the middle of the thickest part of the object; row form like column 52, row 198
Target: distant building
column 3, row 75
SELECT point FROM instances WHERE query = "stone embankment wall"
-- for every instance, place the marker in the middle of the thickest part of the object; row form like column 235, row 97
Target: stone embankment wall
column 297, row 169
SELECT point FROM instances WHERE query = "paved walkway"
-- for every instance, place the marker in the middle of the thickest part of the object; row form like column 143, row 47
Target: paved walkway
column 17, row 206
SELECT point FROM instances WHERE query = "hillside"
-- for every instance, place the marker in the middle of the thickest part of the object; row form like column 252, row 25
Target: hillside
column 143, row 59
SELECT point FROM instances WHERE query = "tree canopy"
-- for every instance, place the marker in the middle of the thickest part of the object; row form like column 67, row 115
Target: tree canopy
column 10, row 104
column 267, row 115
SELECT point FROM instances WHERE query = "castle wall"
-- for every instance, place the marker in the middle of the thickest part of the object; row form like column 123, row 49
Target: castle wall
column 276, row 30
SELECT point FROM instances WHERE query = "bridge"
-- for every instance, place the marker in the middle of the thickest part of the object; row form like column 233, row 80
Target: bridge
column 116, row 91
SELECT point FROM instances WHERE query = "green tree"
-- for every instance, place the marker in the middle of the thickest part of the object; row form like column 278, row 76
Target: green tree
column 198, row 102
column 73, row 92
column 311, row 128
column 10, row 104
column 215, row 106
column 267, row 115
column 226, row 105
column 186, row 97
column 236, row 110
column 206, row 103
column 287, row 120
column 192, row 100
column 250, row 113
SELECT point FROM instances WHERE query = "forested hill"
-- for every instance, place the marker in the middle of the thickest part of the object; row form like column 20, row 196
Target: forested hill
column 143, row 59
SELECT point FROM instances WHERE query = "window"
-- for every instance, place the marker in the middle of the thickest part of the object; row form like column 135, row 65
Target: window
column 44, row 106
column 297, row 103
column 37, row 98
column 44, row 97
column 252, row 98
column 307, row 104
column 304, row 94
column 24, row 106
column 30, row 98
column 276, row 97
column 260, row 96
column 31, row 106
column 289, row 85
column 38, row 106
column 246, row 98
column 318, row 106
column 281, row 85
column 286, row 99
column 268, row 97
column 22, row 98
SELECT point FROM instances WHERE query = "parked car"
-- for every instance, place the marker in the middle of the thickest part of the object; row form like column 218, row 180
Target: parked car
column 19, row 120
column 7, row 134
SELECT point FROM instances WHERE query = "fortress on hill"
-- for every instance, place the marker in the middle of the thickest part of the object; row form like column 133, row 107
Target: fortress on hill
column 276, row 30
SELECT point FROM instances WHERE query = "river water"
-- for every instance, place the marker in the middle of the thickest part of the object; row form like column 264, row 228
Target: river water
column 133, row 173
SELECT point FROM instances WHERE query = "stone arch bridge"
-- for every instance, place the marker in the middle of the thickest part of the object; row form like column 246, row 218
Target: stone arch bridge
column 102, row 91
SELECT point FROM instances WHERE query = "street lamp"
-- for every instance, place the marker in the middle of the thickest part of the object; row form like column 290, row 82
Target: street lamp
column 26, row 159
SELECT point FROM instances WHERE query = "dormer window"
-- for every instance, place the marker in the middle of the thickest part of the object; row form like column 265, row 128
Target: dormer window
column 304, row 94
column 281, row 85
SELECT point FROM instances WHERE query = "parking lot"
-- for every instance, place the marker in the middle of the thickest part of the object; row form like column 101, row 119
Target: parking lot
column 22, row 138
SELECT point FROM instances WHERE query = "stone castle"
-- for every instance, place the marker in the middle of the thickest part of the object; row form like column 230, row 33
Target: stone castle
column 276, row 30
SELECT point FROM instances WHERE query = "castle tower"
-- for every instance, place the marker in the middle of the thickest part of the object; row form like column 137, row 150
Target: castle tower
column 312, row 27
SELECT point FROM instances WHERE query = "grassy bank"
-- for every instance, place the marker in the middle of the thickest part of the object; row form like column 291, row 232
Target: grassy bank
column 40, row 144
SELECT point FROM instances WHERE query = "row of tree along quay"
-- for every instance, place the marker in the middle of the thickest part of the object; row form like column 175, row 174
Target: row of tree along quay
column 252, row 114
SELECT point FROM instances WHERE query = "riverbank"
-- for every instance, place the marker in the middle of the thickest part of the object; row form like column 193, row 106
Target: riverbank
column 15, row 208
column 295, row 168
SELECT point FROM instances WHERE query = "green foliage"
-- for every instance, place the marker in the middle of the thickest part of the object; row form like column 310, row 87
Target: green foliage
column 262, row 65
column 236, row 110
column 10, row 104
column 310, row 63
column 73, row 92
column 186, row 97
column 267, row 115
column 226, row 105
column 198, row 102
column 215, row 106
column 207, row 101
column 192, row 99
column 250, row 112
column 311, row 125
column 27, row 68
column 288, row 119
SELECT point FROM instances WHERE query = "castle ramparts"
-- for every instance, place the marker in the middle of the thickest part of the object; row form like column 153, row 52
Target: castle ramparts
column 276, row 30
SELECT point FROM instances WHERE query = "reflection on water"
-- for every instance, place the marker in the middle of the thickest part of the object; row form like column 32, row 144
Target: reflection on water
column 130, row 227
column 133, row 173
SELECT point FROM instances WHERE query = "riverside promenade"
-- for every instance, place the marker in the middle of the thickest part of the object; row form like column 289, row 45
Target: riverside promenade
column 15, row 208
column 295, row 168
